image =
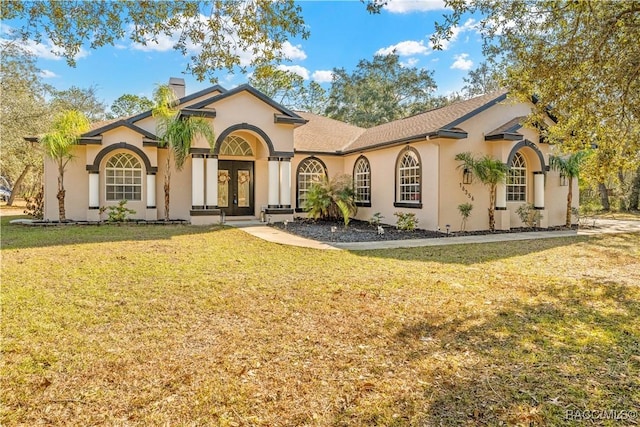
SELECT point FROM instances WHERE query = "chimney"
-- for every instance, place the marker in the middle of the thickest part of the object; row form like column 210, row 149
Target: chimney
column 178, row 86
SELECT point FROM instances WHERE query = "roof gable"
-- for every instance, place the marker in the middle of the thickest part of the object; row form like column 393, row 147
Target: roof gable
column 116, row 124
column 285, row 116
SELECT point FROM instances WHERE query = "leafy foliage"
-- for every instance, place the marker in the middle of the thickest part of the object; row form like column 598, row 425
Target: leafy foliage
column 58, row 145
column 118, row 213
column 376, row 218
column 177, row 134
column 465, row 212
column 225, row 31
column 529, row 215
column 84, row 100
column 332, row 199
column 407, row 221
column 490, row 172
column 569, row 166
column 380, row 91
column 481, row 80
column 128, row 105
column 24, row 113
column 290, row 89
column 35, row 205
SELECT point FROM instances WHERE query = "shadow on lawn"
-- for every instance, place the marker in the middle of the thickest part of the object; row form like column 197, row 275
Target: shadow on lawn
column 469, row 254
column 576, row 348
column 16, row 236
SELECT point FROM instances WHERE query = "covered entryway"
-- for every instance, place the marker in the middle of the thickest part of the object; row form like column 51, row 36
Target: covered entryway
column 235, row 187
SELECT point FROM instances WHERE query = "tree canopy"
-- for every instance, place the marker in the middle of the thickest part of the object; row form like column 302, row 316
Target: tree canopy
column 290, row 90
column 84, row 100
column 380, row 91
column 217, row 34
column 128, row 105
column 24, row 112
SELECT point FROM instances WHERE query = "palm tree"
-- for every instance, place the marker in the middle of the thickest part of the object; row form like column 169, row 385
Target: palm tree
column 176, row 133
column 568, row 166
column 490, row 172
column 58, row 145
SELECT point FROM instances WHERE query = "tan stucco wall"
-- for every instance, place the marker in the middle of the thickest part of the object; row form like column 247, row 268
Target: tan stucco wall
column 76, row 183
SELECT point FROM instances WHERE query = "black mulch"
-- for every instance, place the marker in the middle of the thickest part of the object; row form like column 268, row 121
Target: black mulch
column 362, row 231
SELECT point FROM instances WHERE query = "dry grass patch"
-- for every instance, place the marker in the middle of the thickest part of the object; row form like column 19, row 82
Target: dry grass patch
column 187, row 325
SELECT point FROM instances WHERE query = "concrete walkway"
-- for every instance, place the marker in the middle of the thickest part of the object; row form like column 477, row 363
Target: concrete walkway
column 274, row 235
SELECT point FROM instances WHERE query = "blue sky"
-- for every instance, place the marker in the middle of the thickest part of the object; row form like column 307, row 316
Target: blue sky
column 342, row 33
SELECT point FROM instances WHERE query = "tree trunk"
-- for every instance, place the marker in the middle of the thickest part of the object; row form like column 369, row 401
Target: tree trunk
column 492, row 205
column 17, row 185
column 61, row 193
column 569, row 202
column 634, row 195
column 625, row 190
column 604, row 196
column 167, row 187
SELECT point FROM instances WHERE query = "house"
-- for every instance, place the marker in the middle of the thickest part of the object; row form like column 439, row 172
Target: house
column 266, row 157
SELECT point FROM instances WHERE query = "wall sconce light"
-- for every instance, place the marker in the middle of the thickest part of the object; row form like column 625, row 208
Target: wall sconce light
column 563, row 180
column 467, row 176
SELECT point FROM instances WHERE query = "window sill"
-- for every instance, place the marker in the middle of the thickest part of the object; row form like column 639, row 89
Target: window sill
column 407, row 205
column 364, row 204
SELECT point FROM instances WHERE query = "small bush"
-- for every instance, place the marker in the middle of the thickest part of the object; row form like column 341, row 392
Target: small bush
column 119, row 213
column 375, row 219
column 332, row 199
column 465, row 212
column 406, row 221
column 35, row 205
column 529, row 215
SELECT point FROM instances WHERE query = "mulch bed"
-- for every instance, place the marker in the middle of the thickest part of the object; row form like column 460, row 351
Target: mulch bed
column 362, row 231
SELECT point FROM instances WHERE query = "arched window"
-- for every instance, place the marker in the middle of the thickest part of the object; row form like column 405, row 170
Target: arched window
column 310, row 171
column 517, row 180
column 123, row 178
column 408, row 179
column 362, row 181
column 234, row 145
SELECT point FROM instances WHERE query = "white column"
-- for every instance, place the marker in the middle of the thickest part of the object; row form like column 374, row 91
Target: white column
column 197, row 180
column 285, row 183
column 94, row 190
column 274, row 180
column 538, row 188
column 151, row 190
column 212, row 182
column 501, row 196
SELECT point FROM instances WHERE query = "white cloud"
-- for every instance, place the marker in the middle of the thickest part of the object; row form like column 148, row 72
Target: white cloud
column 461, row 62
column 293, row 52
column 411, row 62
column 48, row 74
column 408, row 6
column 406, row 48
column 469, row 25
column 296, row 69
column 322, row 76
column 47, row 50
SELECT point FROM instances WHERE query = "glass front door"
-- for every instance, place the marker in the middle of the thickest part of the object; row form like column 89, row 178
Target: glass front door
column 235, row 187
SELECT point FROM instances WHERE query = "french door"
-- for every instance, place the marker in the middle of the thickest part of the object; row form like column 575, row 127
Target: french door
column 235, row 187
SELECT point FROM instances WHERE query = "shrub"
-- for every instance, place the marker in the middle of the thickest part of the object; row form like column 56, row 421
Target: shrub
column 35, row 205
column 529, row 215
column 118, row 213
column 332, row 199
column 375, row 219
column 406, row 221
column 465, row 212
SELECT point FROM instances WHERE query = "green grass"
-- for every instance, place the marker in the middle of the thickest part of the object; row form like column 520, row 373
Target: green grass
column 181, row 325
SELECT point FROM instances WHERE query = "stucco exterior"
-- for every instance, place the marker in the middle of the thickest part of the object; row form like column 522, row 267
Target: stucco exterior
column 273, row 142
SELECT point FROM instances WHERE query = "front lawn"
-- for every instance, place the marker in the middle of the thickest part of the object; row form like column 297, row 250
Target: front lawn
column 181, row 325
